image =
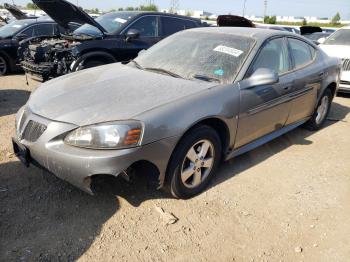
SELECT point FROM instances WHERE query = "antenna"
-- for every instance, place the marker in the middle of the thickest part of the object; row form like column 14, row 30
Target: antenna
column 244, row 6
column 174, row 6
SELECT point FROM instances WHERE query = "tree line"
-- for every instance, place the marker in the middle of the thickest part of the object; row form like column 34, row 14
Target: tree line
column 273, row 20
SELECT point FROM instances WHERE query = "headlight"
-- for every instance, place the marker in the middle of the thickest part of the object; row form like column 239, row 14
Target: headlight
column 115, row 135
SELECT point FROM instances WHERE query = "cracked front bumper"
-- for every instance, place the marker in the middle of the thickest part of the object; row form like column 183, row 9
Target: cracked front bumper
column 78, row 165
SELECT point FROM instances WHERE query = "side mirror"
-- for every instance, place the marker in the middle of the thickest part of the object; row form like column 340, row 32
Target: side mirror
column 321, row 40
column 21, row 37
column 262, row 76
column 132, row 34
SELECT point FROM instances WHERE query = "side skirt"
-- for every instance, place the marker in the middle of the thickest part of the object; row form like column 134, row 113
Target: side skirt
column 263, row 140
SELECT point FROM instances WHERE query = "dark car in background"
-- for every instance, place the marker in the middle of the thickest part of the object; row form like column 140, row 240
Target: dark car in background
column 113, row 37
column 11, row 34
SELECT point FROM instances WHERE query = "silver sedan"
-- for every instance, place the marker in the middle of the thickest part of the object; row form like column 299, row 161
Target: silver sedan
column 190, row 101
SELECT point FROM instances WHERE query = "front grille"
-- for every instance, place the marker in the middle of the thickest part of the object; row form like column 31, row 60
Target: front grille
column 342, row 82
column 33, row 131
column 346, row 64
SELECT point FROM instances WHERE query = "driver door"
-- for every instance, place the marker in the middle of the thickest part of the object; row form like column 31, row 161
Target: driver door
column 264, row 109
column 149, row 35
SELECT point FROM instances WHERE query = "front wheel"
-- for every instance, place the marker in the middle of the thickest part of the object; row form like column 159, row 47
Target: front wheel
column 322, row 110
column 3, row 66
column 194, row 162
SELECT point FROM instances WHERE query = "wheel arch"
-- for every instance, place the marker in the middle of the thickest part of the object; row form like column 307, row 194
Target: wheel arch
column 101, row 55
column 217, row 124
column 333, row 87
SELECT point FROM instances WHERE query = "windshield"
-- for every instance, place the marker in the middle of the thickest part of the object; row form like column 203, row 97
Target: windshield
column 198, row 55
column 111, row 22
column 12, row 28
column 340, row 37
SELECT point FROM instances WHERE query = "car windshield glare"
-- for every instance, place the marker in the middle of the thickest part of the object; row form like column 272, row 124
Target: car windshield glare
column 340, row 37
column 12, row 28
column 199, row 56
column 111, row 22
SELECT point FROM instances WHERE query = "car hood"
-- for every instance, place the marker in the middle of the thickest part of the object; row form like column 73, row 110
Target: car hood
column 339, row 51
column 15, row 12
column 108, row 93
column 64, row 12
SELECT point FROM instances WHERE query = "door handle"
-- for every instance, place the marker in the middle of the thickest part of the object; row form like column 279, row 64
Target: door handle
column 287, row 88
column 321, row 74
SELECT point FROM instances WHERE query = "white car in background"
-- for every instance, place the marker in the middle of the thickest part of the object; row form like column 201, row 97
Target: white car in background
column 338, row 45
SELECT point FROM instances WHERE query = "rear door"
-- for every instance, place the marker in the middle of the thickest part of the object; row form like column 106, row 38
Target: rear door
column 308, row 78
column 264, row 109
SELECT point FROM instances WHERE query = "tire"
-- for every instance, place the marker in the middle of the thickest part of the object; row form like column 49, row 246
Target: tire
column 321, row 112
column 4, row 66
column 183, row 184
column 91, row 64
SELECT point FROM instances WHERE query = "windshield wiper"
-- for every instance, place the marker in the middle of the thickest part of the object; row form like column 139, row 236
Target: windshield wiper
column 160, row 70
column 137, row 64
column 206, row 78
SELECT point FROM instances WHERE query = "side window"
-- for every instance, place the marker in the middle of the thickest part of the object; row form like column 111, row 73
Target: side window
column 301, row 52
column 29, row 31
column 147, row 26
column 274, row 56
column 44, row 30
column 172, row 25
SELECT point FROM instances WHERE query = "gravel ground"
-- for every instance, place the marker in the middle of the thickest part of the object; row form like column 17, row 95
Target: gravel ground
column 285, row 201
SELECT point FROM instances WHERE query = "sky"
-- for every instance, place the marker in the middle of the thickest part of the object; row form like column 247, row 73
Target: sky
column 319, row 8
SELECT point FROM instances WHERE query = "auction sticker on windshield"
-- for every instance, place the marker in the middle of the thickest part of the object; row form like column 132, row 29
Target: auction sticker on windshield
column 228, row 50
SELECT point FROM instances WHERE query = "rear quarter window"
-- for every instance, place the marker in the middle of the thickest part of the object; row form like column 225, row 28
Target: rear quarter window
column 302, row 53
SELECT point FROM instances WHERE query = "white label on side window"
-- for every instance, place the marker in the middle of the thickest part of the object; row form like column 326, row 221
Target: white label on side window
column 228, row 50
column 120, row 20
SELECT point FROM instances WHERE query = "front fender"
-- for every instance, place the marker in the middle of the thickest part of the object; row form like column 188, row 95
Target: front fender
column 79, row 62
column 176, row 118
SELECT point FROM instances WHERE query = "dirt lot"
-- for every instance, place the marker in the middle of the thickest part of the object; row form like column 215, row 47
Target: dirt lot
column 285, row 201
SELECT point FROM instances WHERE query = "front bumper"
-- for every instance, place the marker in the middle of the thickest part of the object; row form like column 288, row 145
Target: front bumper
column 344, row 85
column 78, row 165
column 39, row 72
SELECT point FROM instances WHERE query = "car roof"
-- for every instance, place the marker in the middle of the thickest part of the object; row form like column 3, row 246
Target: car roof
column 41, row 19
column 257, row 33
column 138, row 13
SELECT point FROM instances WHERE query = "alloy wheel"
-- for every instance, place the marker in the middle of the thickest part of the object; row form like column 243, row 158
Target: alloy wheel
column 322, row 109
column 197, row 164
column 3, row 66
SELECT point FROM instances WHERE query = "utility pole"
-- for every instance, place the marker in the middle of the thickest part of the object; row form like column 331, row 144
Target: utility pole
column 265, row 9
column 244, row 5
column 174, row 5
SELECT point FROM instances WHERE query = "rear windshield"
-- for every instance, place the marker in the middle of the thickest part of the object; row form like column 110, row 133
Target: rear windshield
column 189, row 54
